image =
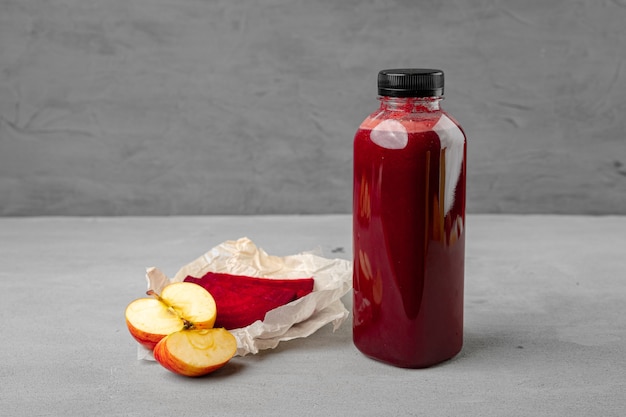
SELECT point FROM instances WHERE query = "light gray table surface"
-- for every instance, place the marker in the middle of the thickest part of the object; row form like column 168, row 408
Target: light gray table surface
column 545, row 323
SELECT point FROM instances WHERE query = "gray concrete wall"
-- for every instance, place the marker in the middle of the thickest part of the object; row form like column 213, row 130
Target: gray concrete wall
column 130, row 107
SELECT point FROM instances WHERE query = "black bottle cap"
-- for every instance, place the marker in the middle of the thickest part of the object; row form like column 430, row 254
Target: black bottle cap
column 410, row 82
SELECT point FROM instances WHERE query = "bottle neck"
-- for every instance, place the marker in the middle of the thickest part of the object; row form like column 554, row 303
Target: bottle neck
column 410, row 104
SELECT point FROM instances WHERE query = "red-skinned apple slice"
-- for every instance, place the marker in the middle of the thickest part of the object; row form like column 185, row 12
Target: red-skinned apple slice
column 181, row 305
column 196, row 352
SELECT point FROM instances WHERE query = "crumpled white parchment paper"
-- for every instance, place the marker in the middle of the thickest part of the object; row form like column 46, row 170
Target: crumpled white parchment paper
column 300, row 318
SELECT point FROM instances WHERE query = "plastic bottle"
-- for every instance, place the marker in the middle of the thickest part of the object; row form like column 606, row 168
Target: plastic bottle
column 409, row 224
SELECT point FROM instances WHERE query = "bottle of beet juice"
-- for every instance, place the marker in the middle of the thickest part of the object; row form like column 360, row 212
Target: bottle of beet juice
column 409, row 224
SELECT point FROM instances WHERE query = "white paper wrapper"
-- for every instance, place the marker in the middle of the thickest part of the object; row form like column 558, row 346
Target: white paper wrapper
column 300, row 318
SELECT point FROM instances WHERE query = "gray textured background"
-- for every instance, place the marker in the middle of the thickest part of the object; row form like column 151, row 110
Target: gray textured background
column 130, row 107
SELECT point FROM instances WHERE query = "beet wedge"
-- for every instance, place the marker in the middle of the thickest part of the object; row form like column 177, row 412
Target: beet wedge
column 242, row 300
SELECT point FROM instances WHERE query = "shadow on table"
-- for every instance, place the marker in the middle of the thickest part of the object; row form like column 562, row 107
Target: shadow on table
column 479, row 347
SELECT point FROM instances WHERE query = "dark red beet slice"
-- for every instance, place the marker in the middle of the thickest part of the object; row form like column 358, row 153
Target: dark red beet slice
column 242, row 300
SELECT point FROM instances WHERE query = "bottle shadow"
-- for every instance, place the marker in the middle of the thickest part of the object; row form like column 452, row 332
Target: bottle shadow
column 479, row 347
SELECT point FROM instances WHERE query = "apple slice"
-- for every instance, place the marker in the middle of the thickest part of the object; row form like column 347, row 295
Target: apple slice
column 181, row 305
column 196, row 352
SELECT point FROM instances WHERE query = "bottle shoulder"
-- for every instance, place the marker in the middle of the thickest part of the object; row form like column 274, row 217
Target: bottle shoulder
column 411, row 121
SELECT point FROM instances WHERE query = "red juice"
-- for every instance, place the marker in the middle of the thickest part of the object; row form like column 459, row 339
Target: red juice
column 409, row 233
